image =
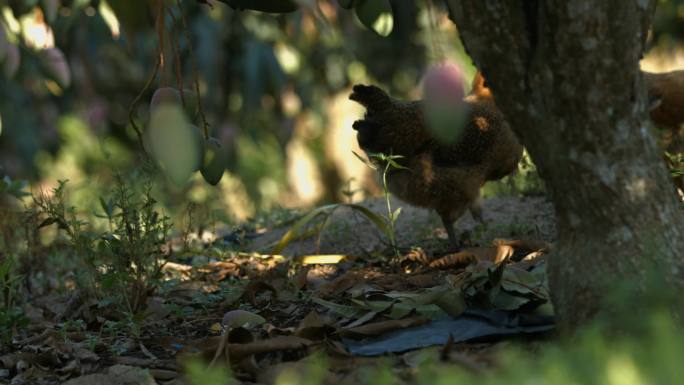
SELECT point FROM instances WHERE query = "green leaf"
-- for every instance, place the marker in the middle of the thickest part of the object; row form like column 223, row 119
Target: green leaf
column 376, row 219
column 496, row 274
column 5, row 267
column 395, row 214
column 347, row 4
column 375, row 15
column 364, row 160
column 395, row 164
column 296, row 228
column 107, row 207
column 452, row 303
column 294, row 231
column 343, row 310
column 47, row 222
column 525, row 282
column 506, row 301
column 270, row 6
column 377, row 306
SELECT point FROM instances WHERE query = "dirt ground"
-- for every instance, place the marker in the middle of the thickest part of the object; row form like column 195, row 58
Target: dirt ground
column 351, row 234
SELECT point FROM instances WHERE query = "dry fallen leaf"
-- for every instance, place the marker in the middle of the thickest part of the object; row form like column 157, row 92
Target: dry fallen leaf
column 381, row 327
column 339, row 285
column 455, row 261
column 116, row 375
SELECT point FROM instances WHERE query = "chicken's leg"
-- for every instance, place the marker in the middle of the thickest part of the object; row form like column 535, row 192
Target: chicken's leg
column 449, row 216
column 448, row 224
column 476, row 211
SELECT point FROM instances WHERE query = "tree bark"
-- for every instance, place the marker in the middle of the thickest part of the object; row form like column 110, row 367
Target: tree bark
column 566, row 75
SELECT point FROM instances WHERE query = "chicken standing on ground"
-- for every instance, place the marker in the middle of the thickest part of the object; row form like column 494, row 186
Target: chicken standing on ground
column 443, row 177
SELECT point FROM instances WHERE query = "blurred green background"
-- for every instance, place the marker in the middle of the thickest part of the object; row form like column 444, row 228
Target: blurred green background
column 273, row 87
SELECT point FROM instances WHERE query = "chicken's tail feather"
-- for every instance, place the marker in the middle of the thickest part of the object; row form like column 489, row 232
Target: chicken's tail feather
column 479, row 87
column 371, row 97
column 367, row 135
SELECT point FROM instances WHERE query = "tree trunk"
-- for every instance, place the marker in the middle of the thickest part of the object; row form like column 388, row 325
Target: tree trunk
column 566, row 75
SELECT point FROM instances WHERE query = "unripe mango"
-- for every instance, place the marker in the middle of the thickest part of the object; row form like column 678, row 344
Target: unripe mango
column 443, row 93
column 165, row 95
column 215, row 161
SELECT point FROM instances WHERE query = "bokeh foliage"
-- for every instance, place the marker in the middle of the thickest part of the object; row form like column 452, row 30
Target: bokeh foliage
column 71, row 69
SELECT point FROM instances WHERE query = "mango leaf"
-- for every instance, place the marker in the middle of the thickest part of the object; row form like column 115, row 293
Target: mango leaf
column 347, row 4
column 270, row 6
column 343, row 310
column 375, row 15
column 506, row 301
column 452, row 303
column 294, row 231
column 376, row 306
column 362, row 320
column 376, row 219
column 496, row 274
column 523, row 282
column 382, row 327
column 433, row 302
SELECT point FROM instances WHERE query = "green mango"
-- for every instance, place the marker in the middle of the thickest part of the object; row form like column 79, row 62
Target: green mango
column 173, row 95
column 172, row 141
column 215, row 161
column 165, row 95
column 270, row 6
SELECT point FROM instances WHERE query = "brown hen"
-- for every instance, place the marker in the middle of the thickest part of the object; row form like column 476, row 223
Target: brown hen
column 443, row 177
